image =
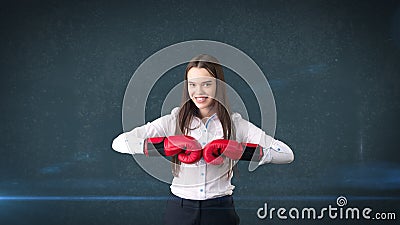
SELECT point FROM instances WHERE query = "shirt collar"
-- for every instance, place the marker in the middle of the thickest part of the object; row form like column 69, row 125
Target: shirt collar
column 212, row 117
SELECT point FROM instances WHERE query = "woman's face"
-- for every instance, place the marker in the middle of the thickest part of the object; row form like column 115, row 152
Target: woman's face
column 201, row 87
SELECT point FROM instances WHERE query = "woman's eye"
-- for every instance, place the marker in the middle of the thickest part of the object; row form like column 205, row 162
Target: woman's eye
column 206, row 84
column 191, row 85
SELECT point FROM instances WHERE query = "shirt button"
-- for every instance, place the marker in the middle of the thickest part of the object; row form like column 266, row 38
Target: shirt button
column 203, row 143
column 204, row 131
column 202, row 174
column 201, row 190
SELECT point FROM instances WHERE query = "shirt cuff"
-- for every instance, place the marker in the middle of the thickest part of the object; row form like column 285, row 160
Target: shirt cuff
column 128, row 144
column 267, row 158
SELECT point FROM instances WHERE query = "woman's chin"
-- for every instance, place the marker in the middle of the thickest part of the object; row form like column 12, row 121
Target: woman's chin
column 204, row 105
column 205, row 108
column 201, row 106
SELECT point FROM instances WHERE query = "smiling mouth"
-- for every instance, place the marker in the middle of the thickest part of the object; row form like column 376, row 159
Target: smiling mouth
column 201, row 99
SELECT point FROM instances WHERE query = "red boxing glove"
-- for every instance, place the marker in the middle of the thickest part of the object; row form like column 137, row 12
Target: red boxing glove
column 187, row 147
column 159, row 145
column 212, row 151
column 192, row 150
column 252, row 152
column 192, row 155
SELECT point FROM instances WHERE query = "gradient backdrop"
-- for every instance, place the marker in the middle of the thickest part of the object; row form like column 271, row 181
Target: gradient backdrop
column 333, row 67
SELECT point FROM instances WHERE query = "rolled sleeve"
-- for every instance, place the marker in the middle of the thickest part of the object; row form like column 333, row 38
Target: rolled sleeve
column 131, row 142
column 275, row 151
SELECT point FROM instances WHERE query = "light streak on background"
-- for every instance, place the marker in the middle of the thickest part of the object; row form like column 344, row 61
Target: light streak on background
column 164, row 198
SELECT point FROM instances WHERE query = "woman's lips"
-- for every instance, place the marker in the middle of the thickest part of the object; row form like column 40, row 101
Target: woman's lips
column 201, row 99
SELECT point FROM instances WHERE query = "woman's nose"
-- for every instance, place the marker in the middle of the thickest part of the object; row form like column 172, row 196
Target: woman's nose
column 199, row 90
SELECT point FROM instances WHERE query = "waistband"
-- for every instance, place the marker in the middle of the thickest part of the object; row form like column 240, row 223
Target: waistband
column 224, row 201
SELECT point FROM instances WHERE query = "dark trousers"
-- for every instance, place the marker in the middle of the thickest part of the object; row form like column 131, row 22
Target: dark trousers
column 218, row 211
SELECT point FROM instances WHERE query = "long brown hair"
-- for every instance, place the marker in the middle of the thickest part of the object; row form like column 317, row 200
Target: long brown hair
column 189, row 110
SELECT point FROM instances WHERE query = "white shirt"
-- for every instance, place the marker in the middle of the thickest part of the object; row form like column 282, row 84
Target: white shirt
column 200, row 181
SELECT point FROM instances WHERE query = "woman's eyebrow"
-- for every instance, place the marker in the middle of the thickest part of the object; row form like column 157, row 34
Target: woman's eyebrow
column 207, row 81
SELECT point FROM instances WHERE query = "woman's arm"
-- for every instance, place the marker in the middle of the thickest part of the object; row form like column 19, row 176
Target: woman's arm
column 274, row 151
column 132, row 142
column 278, row 153
column 129, row 142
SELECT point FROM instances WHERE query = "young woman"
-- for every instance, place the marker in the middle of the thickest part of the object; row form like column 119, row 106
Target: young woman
column 204, row 140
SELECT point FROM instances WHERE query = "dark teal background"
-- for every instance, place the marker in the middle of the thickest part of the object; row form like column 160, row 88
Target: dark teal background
column 333, row 67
